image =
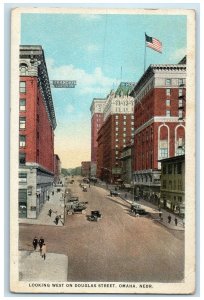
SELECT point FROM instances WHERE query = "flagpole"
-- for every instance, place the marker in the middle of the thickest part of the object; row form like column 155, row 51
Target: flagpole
column 145, row 54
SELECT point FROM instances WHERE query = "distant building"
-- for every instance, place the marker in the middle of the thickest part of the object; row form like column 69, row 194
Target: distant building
column 116, row 132
column 159, row 124
column 127, row 164
column 85, row 168
column 37, row 123
column 96, row 109
column 173, row 184
column 57, row 168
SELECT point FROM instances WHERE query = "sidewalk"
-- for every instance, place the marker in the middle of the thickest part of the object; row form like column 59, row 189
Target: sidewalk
column 150, row 208
column 154, row 212
column 56, row 203
column 32, row 267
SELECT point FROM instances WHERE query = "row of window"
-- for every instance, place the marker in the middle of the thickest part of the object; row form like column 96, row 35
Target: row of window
column 124, row 123
column 172, row 184
column 172, row 168
column 124, row 117
column 124, row 134
column 124, row 129
column 168, row 81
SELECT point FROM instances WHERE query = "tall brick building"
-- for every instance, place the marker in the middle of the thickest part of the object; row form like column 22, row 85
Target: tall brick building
column 159, row 124
column 116, row 132
column 96, row 109
column 36, row 132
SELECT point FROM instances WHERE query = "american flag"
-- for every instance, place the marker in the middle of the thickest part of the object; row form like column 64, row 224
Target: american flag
column 153, row 43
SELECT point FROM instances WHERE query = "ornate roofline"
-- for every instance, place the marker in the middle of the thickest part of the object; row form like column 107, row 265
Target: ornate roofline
column 152, row 70
column 36, row 56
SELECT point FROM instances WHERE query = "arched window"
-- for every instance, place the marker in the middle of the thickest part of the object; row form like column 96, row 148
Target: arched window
column 23, row 69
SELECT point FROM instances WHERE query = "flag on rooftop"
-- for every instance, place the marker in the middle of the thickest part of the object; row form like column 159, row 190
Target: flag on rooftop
column 153, row 43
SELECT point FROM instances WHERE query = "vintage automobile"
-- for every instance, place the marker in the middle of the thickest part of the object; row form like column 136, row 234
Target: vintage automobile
column 114, row 193
column 95, row 216
column 84, row 189
column 73, row 199
column 76, row 207
column 137, row 209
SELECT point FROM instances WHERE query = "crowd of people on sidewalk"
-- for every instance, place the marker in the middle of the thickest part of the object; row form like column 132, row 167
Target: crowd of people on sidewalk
column 42, row 246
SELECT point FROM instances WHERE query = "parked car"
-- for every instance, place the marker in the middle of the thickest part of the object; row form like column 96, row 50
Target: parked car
column 76, row 207
column 137, row 209
column 114, row 193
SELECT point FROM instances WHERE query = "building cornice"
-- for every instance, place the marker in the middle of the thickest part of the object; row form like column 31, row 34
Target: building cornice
column 34, row 57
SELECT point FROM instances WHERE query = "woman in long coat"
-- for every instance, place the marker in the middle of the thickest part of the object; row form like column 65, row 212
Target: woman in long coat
column 44, row 251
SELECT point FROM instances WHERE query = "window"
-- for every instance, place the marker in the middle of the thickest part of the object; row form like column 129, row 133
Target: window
column 180, row 114
column 181, row 81
column 133, row 129
column 168, row 92
column 22, row 87
column 22, row 140
column 132, row 117
column 163, row 152
column 132, row 134
column 164, row 184
column 124, row 117
column 179, row 168
column 167, row 102
column 116, row 134
column 124, row 129
column 116, row 128
column 124, row 123
column 116, row 117
column 22, row 123
column 116, row 152
column 116, row 146
column 124, row 140
column 124, row 134
column 180, row 92
column 22, row 178
column 180, row 103
column 116, row 123
column 124, row 145
column 22, row 158
column 116, row 140
column 168, row 81
column 132, row 123
column 22, row 105
column 169, row 169
column 168, row 113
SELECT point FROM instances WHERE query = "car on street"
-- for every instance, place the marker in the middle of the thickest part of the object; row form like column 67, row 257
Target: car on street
column 137, row 209
column 114, row 193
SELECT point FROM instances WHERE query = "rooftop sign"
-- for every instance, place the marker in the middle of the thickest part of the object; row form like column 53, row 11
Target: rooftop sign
column 63, row 83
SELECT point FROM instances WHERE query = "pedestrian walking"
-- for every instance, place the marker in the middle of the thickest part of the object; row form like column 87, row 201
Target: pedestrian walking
column 50, row 212
column 44, row 251
column 53, row 193
column 160, row 215
column 111, row 193
column 48, row 198
column 176, row 221
column 56, row 220
column 41, row 242
column 169, row 219
column 35, row 242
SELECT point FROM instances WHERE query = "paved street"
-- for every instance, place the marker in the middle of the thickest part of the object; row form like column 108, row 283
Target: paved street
column 119, row 247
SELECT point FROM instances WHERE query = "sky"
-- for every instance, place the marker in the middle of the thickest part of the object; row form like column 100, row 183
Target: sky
column 91, row 49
